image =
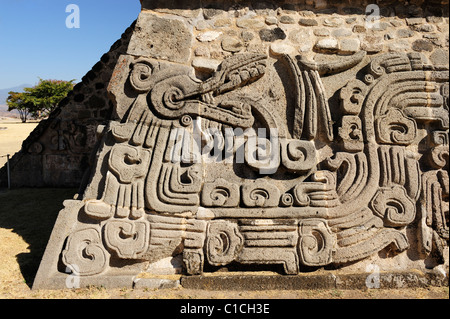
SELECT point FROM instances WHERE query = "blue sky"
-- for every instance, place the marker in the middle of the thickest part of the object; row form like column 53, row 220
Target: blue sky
column 35, row 42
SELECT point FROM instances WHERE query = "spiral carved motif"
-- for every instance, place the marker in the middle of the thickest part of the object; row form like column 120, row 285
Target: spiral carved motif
column 84, row 253
column 316, row 243
column 140, row 77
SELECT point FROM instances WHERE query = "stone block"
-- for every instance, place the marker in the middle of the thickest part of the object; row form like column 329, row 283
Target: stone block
column 308, row 22
column 270, row 35
column 327, row 44
column 232, row 44
column 372, row 44
column 422, row 45
column 209, row 36
column 161, row 38
column 349, row 45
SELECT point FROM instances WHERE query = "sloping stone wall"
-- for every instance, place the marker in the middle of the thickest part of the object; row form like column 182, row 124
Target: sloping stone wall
column 56, row 154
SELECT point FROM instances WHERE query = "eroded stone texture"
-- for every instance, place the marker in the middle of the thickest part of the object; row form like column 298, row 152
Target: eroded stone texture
column 257, row 154
column 161, row 38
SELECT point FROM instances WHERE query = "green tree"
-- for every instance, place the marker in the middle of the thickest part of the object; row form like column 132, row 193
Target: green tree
column 18, row 101
column 40, row 100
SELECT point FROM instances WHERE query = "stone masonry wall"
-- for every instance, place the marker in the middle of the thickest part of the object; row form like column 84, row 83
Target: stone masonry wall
column 310, row 28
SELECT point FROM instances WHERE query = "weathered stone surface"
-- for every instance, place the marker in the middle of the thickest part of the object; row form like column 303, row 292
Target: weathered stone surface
column 405, row 33
column 333, row 22
column 287, row 20
column 252, row 23
column 161, row 38
column 290, row 146
column 440, row 57
column 155, row 283
column 247, row 36
column 281, row 48
column 333, row 280
column 338, row 33
column 399, row 45
column 232, row 44
column 414, row 21
column 308, row 22
column 328, row 44
column 210, row 13
column 270, row 35
column 359, row 28
column 205, row 64
column 372, row 44
column 209, row 36
column 322, row 32
column 422, row 45
column 271, row 20
column 349, row 45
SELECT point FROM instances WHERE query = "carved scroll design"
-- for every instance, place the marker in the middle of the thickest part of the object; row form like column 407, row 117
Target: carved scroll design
column 298, row 156
column 352, row 174
column 124, row 189
column 396, row 128
column 394, row 206
column 220, row 194
column 84, row 253
column 260, row 194
column 324, row 201
column 319, row 193
column 433, row 212
column 316, row 243
column 223, row 243
column 127, row 239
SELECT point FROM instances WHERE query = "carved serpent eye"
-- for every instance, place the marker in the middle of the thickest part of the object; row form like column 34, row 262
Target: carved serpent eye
column 173, row 98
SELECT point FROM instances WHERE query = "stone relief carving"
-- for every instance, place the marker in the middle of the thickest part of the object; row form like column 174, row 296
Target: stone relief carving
column 275, row 198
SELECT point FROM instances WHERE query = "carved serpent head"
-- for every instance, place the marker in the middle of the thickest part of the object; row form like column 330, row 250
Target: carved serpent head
column 173, row 92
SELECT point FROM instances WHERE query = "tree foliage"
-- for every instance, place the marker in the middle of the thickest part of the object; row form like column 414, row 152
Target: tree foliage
column 40, row 100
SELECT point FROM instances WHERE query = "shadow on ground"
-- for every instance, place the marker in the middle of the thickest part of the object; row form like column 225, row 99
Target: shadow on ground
column 31, row 213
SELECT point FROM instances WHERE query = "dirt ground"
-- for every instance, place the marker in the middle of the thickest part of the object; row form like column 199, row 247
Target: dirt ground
column 27, row 217
column 12, row 134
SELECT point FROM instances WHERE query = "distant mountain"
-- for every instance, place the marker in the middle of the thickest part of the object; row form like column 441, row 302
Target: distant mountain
column 4, row 92
column 4, row 112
